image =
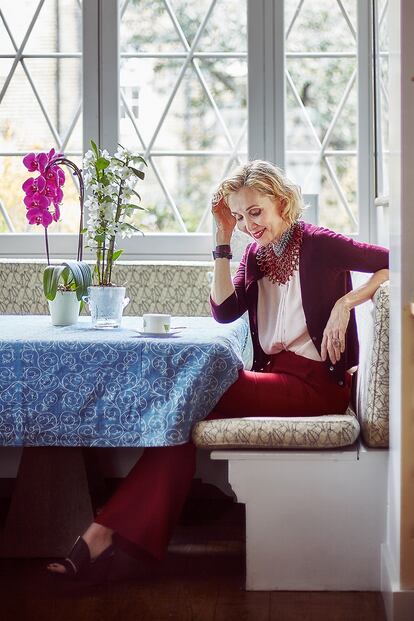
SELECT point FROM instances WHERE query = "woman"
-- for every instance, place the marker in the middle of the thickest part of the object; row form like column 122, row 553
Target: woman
column 294, row 281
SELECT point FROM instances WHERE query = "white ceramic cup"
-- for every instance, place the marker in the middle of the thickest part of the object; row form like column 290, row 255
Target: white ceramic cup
column 156, row 323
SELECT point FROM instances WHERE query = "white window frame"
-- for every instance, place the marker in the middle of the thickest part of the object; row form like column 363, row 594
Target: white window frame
column 266, row 133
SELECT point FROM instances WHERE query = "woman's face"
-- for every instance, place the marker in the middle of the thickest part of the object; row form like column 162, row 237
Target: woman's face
column 257, row 215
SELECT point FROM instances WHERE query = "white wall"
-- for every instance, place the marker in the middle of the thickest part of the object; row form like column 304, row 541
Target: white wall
column 393, row 534
column 398, row 550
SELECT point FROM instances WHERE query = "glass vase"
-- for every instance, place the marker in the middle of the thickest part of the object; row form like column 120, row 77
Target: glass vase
column 106, row 305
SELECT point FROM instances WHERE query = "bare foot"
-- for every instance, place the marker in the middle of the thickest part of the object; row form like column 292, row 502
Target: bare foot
column 97, row 537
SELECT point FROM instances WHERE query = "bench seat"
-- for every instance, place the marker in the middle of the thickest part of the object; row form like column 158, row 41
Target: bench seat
column 307, row 432
column 323, row 432
column 315, row 519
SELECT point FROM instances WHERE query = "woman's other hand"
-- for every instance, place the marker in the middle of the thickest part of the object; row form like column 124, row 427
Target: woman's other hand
column 225, row 221
column 333, row 340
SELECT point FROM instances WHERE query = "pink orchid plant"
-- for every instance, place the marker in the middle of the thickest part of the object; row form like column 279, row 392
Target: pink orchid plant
column 43, row 197
column 44, row 193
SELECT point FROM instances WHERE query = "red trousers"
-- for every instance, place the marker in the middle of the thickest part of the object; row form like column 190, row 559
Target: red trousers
column 145, row 509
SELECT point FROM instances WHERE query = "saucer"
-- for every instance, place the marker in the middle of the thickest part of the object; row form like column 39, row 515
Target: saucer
column 160, row 335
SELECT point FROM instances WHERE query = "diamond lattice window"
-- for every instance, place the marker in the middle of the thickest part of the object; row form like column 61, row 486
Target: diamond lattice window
column 40, row 98
column 321, row 106
column 183, row 77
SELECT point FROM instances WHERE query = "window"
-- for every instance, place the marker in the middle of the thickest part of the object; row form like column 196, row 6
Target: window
column 188, row 62
column 322, row 107
column 172, row 79
column 40, row 97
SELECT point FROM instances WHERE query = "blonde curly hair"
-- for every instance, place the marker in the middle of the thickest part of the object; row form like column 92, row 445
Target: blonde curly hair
column 269, row 180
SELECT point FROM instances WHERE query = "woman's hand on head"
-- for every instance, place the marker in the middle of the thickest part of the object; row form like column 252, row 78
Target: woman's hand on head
column 333, row 340
column 224, row 219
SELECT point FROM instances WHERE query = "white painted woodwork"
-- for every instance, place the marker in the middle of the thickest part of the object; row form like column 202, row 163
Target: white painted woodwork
column 398, row 549
column 315, row 520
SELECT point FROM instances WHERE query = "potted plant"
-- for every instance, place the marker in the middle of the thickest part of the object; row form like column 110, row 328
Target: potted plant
column 63, row 285
column 110, row 183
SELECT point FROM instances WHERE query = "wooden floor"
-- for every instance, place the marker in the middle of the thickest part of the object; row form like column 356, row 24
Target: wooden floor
column 201, row 579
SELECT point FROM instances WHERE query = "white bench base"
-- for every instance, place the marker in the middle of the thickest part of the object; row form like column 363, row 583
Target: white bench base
column 315, row 520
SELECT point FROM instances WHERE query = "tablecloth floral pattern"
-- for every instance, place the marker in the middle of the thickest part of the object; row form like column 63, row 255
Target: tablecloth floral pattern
column 76, row 386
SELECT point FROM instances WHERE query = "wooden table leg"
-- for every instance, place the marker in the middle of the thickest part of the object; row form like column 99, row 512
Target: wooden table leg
column 50, row 506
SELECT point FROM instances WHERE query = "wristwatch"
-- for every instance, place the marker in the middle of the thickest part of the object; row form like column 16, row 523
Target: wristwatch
column 222, row 252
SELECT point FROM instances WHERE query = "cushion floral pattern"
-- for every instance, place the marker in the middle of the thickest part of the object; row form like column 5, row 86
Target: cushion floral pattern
column 180, row 288
column 373, row 373
column 311, row 432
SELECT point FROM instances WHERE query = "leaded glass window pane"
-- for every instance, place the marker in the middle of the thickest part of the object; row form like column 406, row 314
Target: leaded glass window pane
column 40, row 99
column 183, row 78
column 321, row 106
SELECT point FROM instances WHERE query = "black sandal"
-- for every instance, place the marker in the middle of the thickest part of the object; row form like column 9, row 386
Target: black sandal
column 78, row 563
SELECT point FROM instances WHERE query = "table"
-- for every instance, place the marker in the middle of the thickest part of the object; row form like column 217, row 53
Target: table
column 78, row 386
column 70, row 387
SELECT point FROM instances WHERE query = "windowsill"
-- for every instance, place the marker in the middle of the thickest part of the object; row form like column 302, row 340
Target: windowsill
column 149, row 247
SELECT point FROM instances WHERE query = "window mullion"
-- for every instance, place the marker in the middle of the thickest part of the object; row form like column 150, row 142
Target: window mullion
column 90, row 71
column 266, row 80
column 366, row 208
column 109, row 21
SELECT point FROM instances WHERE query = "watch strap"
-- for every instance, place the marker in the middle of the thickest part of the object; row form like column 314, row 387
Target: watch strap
column 222, row 251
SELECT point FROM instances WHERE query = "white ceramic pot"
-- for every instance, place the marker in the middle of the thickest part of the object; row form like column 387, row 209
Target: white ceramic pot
column 64, row 309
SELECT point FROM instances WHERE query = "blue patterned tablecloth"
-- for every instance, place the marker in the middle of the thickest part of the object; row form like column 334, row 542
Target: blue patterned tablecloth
column 77, row 386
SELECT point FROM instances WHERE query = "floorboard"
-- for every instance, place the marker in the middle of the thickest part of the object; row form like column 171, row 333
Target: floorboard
column 201, row 579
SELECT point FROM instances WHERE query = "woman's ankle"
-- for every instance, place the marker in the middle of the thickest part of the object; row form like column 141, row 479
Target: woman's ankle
column 97, row 537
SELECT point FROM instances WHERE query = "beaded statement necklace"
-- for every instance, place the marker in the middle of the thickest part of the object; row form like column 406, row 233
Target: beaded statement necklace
column 278, row 260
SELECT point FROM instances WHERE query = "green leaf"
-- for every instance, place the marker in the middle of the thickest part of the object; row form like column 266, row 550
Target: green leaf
column 132, row 206
column 118, row 160
column 66, row 277
column 95, row 148
column 102, row 163
column 136, row 194
column 84, row 230
column 138, row 173
column 82, row 276
column 138, row 158
column 51, row 277
column 117, row 254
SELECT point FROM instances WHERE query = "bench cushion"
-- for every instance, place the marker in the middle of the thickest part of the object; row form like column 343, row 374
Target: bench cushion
column 311, row 432
column 373, row 370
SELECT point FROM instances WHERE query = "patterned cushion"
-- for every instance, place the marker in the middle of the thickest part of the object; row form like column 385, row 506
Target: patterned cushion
column 312, row 432
column 179, row 288
column 373, row 372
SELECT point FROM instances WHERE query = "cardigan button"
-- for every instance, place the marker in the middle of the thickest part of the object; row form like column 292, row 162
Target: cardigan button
column 314, row 338
column 331, row 368
column 340, row 383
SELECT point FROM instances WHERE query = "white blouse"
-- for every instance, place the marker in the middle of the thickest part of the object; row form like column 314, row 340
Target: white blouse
column 281, row 319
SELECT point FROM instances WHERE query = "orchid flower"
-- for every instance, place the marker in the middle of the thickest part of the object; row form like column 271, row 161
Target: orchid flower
column 36, row 200
column 37, row 215
column 33, row 185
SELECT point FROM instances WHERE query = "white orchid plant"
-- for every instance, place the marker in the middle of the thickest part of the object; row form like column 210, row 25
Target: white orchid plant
column 111, row 200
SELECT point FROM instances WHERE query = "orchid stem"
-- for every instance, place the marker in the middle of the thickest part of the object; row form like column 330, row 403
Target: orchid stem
column 47, row 247
column 78, row 173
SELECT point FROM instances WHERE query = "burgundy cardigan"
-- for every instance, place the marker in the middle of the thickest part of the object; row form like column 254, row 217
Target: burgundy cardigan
column 325, row 262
